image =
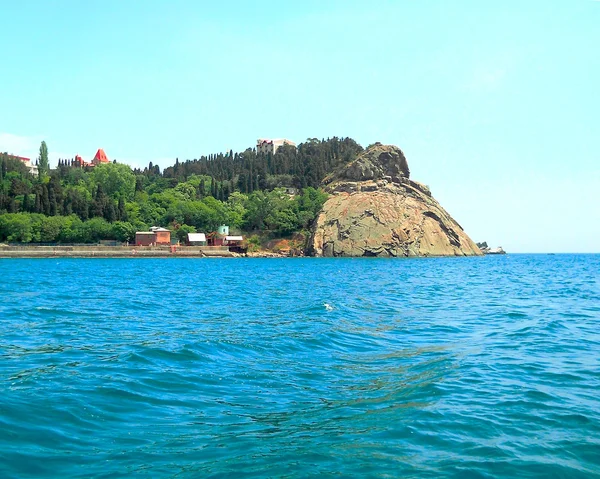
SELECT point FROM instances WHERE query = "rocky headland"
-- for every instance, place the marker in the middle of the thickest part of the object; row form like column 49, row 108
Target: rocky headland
column 485, row 249
column 375, row 209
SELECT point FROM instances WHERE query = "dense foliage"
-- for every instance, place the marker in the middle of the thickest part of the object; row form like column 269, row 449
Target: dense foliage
column 277, row 193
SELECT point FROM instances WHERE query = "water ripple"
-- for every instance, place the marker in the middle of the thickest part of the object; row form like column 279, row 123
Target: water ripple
column 459, row 367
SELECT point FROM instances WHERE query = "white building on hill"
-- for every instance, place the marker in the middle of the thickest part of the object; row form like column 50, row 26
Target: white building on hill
column 265, row 145
column 32, row 167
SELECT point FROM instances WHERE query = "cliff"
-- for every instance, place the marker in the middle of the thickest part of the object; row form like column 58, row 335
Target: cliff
column 375, row 209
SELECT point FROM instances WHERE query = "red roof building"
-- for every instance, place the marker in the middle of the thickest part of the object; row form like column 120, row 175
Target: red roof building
column 100, row 158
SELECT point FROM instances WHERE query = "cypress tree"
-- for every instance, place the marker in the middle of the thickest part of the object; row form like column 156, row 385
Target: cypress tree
column 43, row 165
column 45, row 201
column 139, row 183
column 83, row 209
column 67, row 207
column 37, row 205
column 25, row 205
column 110, row 213
column 121, row 213
column 99, row 203
column 226, row 192
column 51, row 200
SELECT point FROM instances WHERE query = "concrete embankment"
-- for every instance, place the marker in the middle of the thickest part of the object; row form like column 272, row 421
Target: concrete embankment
column 93, row 251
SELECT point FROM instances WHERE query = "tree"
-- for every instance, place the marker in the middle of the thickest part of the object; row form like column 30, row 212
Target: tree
column 99, row 202
column 45, row 201
column 182, row 232
column 186, row 191
column 16, row 228
column 213, row 188
column 121, row 212
column 52, row 199
column 25, row 204
column 110, row 213
column 139, row 183
column 43, row 165
column 116, row 179
column 123, row 231
column 37, row 204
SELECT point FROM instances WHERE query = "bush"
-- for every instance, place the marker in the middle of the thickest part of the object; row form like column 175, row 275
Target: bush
column 253, row 243
column 16, row 227
column 123, row 231
column 182, row 232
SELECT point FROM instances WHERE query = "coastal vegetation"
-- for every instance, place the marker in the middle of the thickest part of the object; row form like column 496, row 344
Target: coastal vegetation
column 271, row 194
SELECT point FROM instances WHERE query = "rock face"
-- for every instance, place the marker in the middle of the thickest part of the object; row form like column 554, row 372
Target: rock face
column 374, row 209
column 485, row 249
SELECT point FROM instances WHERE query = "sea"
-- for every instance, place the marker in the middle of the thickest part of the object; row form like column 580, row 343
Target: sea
column 480, row 367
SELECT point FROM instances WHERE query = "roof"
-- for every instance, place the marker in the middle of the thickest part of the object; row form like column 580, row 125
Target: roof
column 15, row 157
column 194, row 237
column 234, row 238
column 158, row 228
column 101, row 157
column 144, row 232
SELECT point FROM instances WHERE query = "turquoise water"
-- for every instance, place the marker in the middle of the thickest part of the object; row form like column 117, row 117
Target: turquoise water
column 458, row 367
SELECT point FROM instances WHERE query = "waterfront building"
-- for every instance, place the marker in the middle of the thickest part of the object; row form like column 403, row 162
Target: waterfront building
column 156, row 236
column 221, row 237
column 162, row 235
column 196, row 239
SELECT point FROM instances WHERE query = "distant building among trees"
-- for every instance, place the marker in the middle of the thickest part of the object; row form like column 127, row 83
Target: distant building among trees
column 266, row 146
column 33, row 168
column 99, row 159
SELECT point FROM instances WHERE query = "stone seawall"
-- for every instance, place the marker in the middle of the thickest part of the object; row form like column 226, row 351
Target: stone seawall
column 93, row 251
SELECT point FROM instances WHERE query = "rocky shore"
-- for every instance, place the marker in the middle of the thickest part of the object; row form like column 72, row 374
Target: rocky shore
column 485, row 249
column 375, row 209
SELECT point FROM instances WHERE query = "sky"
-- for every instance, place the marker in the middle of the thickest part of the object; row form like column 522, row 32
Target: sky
column 495, row 104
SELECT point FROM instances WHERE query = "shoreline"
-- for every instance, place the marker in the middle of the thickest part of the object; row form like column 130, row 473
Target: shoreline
column 97, row 251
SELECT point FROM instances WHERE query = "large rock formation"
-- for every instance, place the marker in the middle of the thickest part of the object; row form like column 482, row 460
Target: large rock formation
column 374, row 209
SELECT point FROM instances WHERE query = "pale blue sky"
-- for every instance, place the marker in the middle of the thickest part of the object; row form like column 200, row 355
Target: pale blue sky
column 495, row 103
